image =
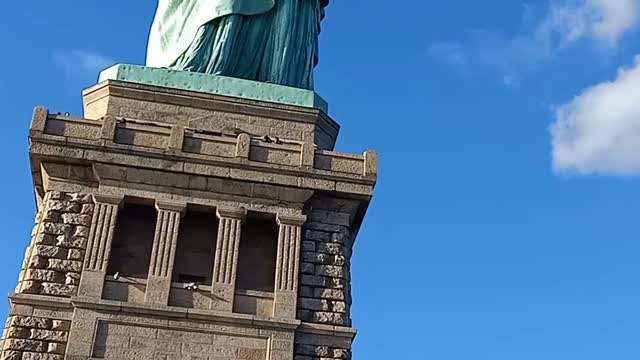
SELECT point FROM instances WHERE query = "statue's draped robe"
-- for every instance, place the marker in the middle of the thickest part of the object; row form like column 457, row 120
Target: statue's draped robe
column 265, row 40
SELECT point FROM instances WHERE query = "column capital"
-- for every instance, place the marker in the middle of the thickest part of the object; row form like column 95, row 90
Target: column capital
column 108, row 199
column 237, row 213
column 291, row 219
column 168, row 205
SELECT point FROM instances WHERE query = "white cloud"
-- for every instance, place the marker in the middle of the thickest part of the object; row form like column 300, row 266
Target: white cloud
column 564, row 22
column 602, row 20
column 599, row 130
column 81, row 62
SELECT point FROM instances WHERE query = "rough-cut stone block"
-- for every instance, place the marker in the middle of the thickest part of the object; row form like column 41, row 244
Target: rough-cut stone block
column 79, row 198
column 44, row 275
column 44, row 239
column 330, row 294
column 76, row 219
column 307, row 268
column 81, row 231
column 308, row 246
column 71, row 242
column 312, row 350
column 75, row 254
column 316, row 258
column 11, row 355
column 25, row 345
column 48, row 335
column 37, row 262
column 30, row 287
column 332, row 249
column 60, row 325
column 16, row 333
column 56, row 229
column 63, row 206
column 312, row 280
column 317, row 235
column 40, row 356
column 313, row 304
column 330, row 271
column 50, row 251
column 64, row 265
column 59, row 289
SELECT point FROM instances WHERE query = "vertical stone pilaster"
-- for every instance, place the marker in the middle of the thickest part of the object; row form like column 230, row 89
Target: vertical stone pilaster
column 225, row 267
column 288, row 265
column 101, row 232
column 164, row 252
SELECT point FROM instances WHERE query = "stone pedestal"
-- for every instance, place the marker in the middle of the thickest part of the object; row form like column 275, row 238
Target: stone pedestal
column 181, row 151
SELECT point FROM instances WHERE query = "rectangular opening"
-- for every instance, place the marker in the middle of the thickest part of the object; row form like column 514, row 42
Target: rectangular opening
column 196, row 248
column 257, row 258
column 133, row 241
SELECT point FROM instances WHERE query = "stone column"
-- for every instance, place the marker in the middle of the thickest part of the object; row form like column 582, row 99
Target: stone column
column 99, row 242
column 163, row 253
column 288, row 265
column 223, row 286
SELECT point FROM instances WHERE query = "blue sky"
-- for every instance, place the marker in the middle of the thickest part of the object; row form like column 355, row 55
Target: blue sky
column 505, row 223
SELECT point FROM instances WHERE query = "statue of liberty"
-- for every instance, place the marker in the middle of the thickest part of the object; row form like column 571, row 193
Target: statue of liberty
column 272, row 41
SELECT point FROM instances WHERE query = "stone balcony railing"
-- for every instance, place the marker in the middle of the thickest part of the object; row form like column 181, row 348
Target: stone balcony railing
column 328, row 170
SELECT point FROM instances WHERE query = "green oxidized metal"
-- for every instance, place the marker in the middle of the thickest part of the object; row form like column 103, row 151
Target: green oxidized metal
column 215, row 84
column 273, row 41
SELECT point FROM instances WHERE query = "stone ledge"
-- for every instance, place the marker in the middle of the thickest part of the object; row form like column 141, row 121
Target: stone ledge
column 40, row 300
column 183, row 313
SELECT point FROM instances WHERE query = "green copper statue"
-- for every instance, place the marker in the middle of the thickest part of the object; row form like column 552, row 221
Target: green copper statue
column 272, row 41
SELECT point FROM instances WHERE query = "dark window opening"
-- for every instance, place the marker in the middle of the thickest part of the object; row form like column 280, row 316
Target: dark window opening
column 133, row 241
column 196, row 248
column 257, row 259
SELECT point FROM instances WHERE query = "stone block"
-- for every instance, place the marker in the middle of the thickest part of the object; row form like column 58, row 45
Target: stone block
column 40, row 356
column 44, row 239
column 64, row 265
column 317, row 235
column 71, row 242
column 56, row 348
column 63, row 206
column 316, row 258
column 313, row 304
column 48, row 335
column 87, row 209
column 44, row 275
column 25, row 345
column 311, row 280
column 50, row 251
column 79, row 198
column 11, row 355
column 307, row 268
column 309, row 246
column 81, row 231
column 330, row 294
column 16, row 333
column 76, row 219
column 330, row 271
column 56, row 229
column 63, row 290
column 75, row 254
column 332, row 249
column 60, row 325
column 37, row 262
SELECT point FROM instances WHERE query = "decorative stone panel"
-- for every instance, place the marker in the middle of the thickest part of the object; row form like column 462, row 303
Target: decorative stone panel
column 53, row 261
column 34, row 338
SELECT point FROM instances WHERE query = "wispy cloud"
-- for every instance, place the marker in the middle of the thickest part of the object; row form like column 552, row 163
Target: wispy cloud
column 599, row 130
column 564, row 22
column 80, row 63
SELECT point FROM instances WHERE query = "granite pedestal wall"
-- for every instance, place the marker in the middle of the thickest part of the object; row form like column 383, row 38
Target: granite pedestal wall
column 177, row 151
